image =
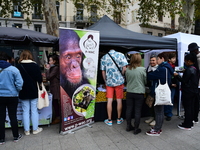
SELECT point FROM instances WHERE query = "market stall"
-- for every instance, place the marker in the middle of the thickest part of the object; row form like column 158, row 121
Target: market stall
column 114, row 36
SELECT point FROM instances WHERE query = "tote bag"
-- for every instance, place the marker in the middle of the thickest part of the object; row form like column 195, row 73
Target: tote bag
column 43, row 98
column 163, row 94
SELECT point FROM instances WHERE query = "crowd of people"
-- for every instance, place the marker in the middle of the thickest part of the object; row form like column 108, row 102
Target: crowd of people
column 19, row 84
column 161, row 69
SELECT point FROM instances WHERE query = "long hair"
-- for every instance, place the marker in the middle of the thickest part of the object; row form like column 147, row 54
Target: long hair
column 25, row 55
column 136, row 61
column 193, row 58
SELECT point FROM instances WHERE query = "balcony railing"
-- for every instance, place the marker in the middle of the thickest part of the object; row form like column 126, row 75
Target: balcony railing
column 85, row 19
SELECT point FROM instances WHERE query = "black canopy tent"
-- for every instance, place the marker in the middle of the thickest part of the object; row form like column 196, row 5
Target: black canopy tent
column 18, row 35
column 113, row 35
column 13, row 40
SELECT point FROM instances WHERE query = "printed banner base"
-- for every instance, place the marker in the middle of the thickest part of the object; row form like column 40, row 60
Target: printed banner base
column 72, row 130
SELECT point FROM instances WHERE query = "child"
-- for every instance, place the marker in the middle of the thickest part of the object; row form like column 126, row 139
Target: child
column 189, row 86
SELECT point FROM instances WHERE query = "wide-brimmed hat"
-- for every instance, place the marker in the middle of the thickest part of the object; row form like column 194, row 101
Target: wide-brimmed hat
column 192, row 46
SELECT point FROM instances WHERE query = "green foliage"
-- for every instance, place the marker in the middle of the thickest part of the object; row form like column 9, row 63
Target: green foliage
column 151, row 9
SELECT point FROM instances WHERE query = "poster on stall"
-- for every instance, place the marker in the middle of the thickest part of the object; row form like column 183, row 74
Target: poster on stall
column 45, row 115
column 79, row 52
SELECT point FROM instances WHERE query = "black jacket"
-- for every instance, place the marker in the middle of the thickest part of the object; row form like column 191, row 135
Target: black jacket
column 189, row 81
column 31, row 76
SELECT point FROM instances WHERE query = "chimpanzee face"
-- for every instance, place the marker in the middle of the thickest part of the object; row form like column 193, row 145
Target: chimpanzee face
column 70, row 62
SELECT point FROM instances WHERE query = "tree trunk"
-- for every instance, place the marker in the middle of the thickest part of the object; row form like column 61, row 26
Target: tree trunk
column 186, row 22
column 51, row 17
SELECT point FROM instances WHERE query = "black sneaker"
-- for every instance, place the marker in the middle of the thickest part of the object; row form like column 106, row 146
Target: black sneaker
column 2, row 141
column 168, row 118
column 16, row 139
column 180, row 126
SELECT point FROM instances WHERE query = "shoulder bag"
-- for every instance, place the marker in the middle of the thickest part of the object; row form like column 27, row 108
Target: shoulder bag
column 43, row 98
column 163, row 94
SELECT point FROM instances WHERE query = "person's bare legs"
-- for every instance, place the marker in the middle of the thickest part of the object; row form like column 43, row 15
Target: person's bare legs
column 109, row 108
column 119, row 108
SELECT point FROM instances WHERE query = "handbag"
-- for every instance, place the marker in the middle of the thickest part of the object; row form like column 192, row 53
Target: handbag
column 149, row 101
column 43, row 98
column 163, row 94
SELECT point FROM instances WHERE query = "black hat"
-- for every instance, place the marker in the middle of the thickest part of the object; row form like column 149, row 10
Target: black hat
column 192, row 46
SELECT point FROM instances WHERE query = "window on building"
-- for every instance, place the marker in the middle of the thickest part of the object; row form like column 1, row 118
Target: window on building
column 38, row 27
column 17, row 25
column 134, row 15
column 0, row 24
column 37, row 12
column 117, row 17
column 58, row 10
column 93, row 13
column 149, row 33
column 79, row 13
column 17, row 9
column 173, row 22
column 160, row 17
column 160, row 34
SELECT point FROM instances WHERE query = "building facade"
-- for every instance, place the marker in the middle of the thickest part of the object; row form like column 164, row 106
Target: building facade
column 71, row 17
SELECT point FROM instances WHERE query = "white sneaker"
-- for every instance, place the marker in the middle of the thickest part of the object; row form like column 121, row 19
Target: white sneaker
column 149, row 120
column 153, row 123
column 27, row 132
column 37, row 131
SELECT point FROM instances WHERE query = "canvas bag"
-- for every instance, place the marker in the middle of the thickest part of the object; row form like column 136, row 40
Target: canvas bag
column 43, row 98
column 163, row 94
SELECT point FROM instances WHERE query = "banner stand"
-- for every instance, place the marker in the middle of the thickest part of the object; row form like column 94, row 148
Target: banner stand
column 79, row 53
column 73, row 130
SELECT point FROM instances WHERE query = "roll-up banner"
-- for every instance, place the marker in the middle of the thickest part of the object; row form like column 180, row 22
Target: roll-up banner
column 79, row 52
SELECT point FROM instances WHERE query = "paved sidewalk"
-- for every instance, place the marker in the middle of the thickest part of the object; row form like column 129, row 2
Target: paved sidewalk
column 104, row 137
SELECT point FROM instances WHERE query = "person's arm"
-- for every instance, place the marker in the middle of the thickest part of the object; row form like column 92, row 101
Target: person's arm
column 54, row 72
column 18, row 81
column 124, row 70
column 104, row 75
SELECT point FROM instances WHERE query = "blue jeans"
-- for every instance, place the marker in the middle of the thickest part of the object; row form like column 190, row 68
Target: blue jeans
column 30, row 112
column 168, row 108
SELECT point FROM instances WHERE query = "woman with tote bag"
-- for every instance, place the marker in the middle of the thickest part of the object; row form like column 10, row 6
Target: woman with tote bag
column 28, row 96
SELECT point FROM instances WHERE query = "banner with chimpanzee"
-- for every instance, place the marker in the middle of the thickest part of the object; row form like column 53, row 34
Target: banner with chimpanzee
column 79, row 51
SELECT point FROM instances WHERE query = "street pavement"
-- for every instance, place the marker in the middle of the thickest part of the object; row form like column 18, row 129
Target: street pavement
column 103, row 137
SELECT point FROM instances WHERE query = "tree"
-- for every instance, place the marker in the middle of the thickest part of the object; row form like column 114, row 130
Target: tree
column 48, row 8
column 186, row 9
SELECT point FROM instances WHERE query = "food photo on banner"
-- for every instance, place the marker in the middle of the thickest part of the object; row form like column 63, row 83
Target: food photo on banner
column 79, row 51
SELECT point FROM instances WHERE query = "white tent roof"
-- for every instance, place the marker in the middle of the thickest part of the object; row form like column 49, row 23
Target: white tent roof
column 184, row 40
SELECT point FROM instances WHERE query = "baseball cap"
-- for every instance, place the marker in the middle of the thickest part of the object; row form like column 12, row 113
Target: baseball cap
column 192, row 46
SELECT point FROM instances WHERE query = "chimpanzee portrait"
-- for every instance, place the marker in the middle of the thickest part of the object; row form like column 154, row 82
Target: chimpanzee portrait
column 71, row 57
column 87, row 98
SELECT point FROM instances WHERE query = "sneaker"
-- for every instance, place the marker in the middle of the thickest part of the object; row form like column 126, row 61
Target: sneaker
column 149, row 120
column 168, row 118
column 108, row 122
column 136, row 131
column 129, row 128
column 37, row 131
column 153, row 123
column 27, row 132
column 16, row 139
column 195, row 122
column 120, row 120
column 2, row 141
column 159, row 131
column 153, row 133
column 180, row 126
